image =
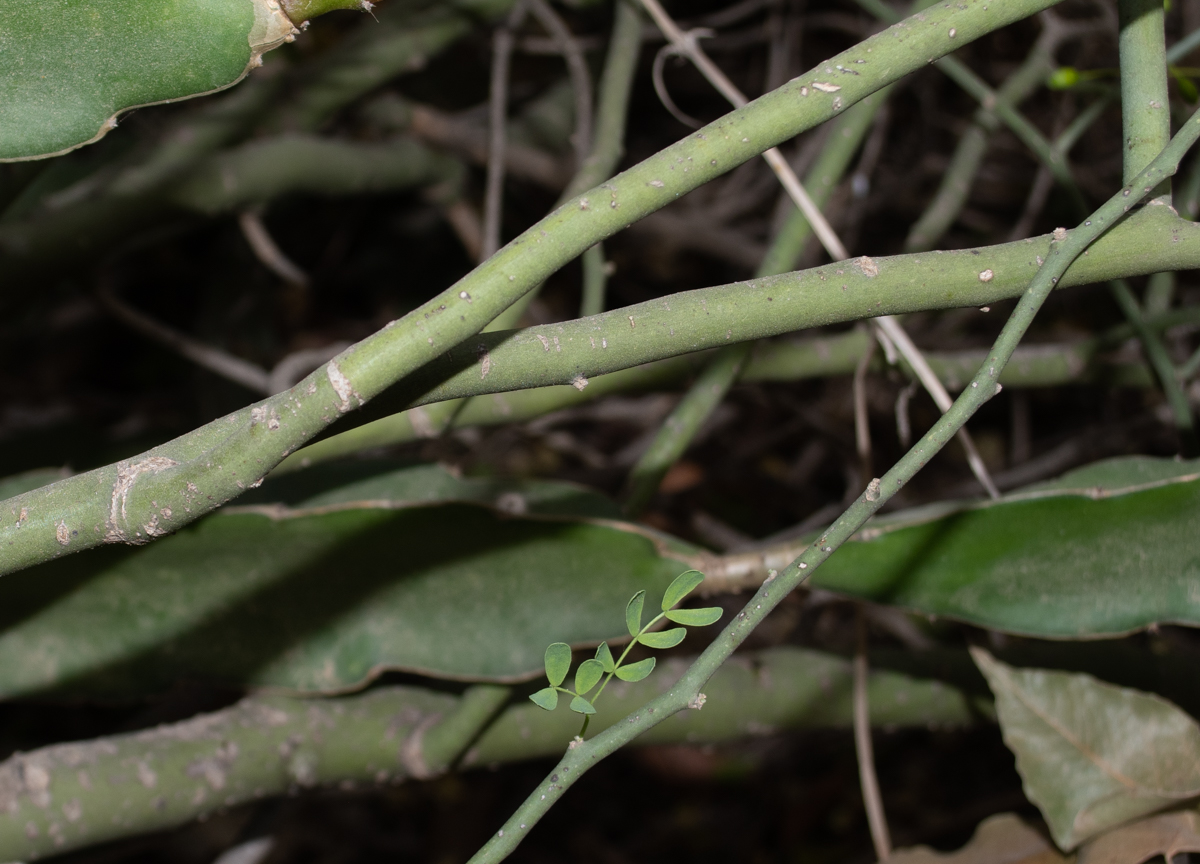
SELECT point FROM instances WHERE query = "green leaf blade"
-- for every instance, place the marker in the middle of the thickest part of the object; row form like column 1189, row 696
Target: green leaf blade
column 588, row 675
column 605, row 658
column 558, row 663
column 546, row 698
column 633, row 613
column 635, row 672
column 696, row 617
column 685, row 583
column 663, row 639
column 582, row 706
column 55, row 97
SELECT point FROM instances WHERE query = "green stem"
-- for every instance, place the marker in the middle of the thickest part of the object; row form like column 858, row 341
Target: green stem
column 681, row 426
column 1140, row 244
column 595, row 280
column 977, row 88
column 302, row 10
column 1160, row 361
column 612, row 116
column 1145, row 101
column 846, row 133
column 1146, row 128
column 170, row 486
column 780, row 360
column 1191, row 367
column 1160, row 293
column 964, row 165
column 686, row 693
column 272, row 745
column 835, row 293
column 402, row 40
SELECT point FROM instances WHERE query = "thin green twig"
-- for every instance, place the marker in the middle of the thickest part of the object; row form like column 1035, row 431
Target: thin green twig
column 687, row 692
column 608, row 145
column 681, row 426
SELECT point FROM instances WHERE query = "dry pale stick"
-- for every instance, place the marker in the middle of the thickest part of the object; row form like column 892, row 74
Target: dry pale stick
column 872, row 800
column 687, row 45
column 502, row 48
column 267, row 251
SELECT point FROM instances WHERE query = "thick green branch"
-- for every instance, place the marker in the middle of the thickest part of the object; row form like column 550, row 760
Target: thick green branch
column 574, row 351
column 1145, row 102
column 72, row 795
column 168, row 487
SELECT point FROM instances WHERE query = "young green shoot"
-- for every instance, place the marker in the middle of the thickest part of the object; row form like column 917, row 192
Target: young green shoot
column 603, row 666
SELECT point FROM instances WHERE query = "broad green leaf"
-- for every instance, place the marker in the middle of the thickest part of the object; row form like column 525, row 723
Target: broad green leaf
column 396, row 485
column 546, row 698
column 663, row 639
column 1092, row 755
column 636, row 671
column 1056, row 560
column 685, row 583
column 30, row 480
column 633, row 613
column 582, row 706
column 557, row 662
column 322, row 599
column 695, row 617
column 72, row 66
column 347, row 582
column 604, row 655
column 588, row 675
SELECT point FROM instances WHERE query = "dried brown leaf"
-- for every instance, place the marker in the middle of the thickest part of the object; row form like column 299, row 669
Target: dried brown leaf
column 1166, row 834
column 999, row 839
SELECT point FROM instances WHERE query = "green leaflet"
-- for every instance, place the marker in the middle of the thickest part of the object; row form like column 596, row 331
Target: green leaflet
column 1102, row 551
column 1092, row 755
column 71, row 66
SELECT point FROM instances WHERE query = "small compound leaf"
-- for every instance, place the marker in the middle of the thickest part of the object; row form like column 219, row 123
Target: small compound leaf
column 633, row 612
column 588, row 675
column 1092, row 755
column 605, row 658
column 696, row 617
column 665, row 639
column 636, row 671
column 547, row 698
column 558, row 662
column 1166, row 834
column 581, row 706
column 685, row 583
column 999, row 839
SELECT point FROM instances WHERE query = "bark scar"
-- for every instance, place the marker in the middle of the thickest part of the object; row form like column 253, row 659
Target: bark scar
column 127, row 477
column 342, row 387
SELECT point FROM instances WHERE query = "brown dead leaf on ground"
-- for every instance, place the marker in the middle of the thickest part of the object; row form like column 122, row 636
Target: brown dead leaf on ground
column 1166, row 834
column 1000, row 839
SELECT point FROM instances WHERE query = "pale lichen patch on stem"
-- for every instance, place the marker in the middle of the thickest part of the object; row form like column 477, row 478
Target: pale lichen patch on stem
column 127, row 476
column 342, row 387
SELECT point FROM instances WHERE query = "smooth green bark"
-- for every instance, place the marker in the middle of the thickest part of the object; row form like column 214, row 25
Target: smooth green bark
column 72, row 795
column 168, row 487
column 835, row 293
